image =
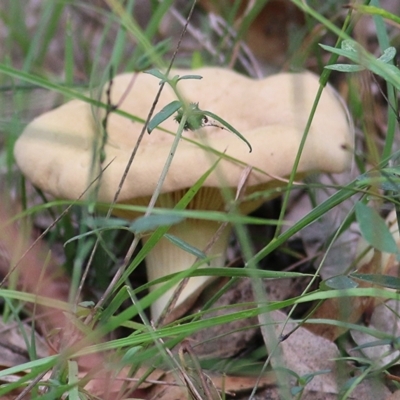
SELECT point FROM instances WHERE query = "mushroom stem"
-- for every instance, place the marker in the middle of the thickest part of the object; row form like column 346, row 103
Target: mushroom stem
column 166, row 258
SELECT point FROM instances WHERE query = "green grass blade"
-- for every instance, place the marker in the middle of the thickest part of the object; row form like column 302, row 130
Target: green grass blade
column 69, row 54
column 336, row 199
column 376, row 11
column 384, row 43
column 46, row 26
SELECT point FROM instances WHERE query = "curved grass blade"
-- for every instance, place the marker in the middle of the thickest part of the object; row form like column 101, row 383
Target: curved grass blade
column 164, row 114
column 152, row 222
column 185, row 246
column 387, row 281
column 229, row 126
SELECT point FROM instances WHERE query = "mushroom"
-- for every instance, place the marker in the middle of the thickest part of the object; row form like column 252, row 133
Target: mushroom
column 55, row 151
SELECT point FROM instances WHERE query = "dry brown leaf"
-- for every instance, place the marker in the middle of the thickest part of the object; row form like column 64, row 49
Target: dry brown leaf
column 307, row 353
column 341, row 309
column 394, row 396
column 237, row 384
column 38, row 272
column 316, row 235
column 172, row 388
column 13, row 349
column 373, row 262
column 383, row 319
column 304, row 353
column 370, row 389
column 126, row 380
column 229, row 339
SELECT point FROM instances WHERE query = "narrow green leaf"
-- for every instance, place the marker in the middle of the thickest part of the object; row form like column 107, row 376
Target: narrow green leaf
column 119, row 297
column 388, row 179
column 66, row 91
column 308, row 377
column 164, row 114
column 295, row 390
column 388, row 55
column 73, row 379
column 343, row 194
column 151, row 222
column 69, row 53
column 186, row 246
column 345, row 67
column 350, row 54
column 87, row 304
column 235, row 273
column 389, row 72
column 157, row 73
column 105, row 222
column 158, row 11
column 129, row 355
column 94, row 232
column 40, row 39
column 391, row 181
column 180, row 78
column 349, row 45
column 197, row 60
column 372, row 10
column 145, row 60
column 374, row 229
column 229, row 126
column 128, row 20
column 338, row 282
column 391, row 282
column 118, row 51
column 375, row 343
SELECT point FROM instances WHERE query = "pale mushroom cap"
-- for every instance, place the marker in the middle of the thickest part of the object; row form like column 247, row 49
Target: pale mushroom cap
column 55, row 150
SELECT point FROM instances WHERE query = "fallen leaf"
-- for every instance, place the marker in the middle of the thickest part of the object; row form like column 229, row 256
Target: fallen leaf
column 227, row 340
column 394, row 396
column 172, row 387
column 13, row 349
column 238, row 384
column 38, row 272
column 341, row 309
column 124, row 379
column 306, row 353
column 384, row 319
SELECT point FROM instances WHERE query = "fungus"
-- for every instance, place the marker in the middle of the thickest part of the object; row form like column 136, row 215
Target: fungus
column 55, row 151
